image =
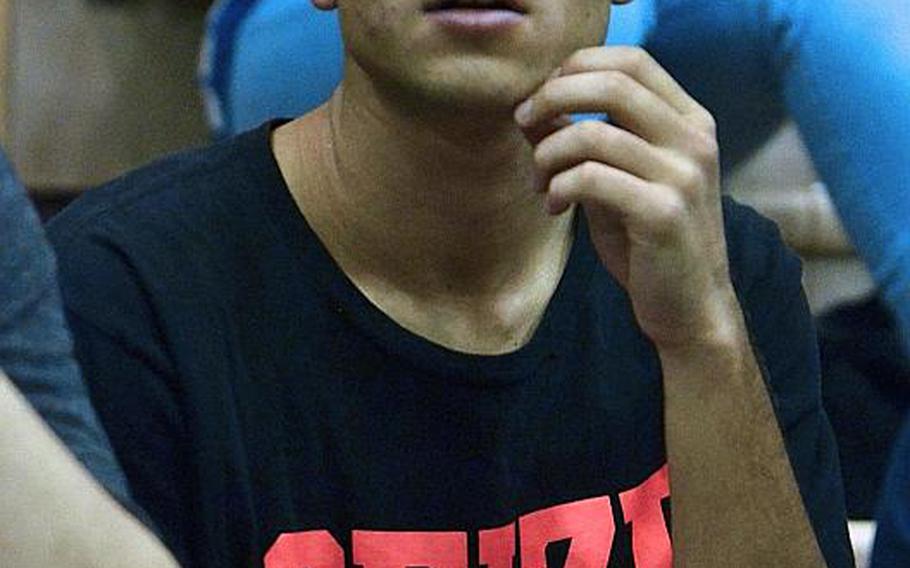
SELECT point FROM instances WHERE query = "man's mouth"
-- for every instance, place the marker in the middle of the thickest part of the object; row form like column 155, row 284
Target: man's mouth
column 478, row 5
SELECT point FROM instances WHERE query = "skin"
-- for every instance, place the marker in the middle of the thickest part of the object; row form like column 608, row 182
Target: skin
column 48, row 497
column 441, row 177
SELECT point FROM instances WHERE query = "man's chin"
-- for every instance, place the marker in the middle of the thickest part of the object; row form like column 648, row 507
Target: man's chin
column 465, row 100
column 480, row 93
column 460, row 87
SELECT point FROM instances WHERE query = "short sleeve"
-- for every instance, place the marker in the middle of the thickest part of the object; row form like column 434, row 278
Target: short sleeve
column 35, row 346
column 767, row 277
column 128, row 373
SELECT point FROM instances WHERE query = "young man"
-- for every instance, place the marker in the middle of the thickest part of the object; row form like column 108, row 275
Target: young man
column 433, row 323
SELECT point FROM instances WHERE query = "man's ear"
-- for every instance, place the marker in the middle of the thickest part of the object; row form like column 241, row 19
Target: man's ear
column 327, row 5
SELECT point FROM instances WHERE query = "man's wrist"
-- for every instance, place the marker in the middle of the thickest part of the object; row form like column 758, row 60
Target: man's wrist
column 721, row 328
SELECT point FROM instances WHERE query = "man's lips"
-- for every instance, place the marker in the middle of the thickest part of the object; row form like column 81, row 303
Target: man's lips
column 479, row 5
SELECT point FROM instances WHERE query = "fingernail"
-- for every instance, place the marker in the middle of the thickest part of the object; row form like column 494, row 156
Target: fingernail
column 523, row 113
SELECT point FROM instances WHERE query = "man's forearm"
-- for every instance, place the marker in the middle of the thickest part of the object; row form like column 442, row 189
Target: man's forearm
column 735, row 497
column 52, row 512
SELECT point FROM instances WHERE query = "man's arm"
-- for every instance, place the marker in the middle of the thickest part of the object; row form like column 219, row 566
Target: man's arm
column 649, row 184
column 53, row 513
column 735, row 498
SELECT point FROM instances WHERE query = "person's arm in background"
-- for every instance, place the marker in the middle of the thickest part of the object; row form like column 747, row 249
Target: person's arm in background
column 846, row 81
column 841, row 70
column 36, row 351
column 53, row 512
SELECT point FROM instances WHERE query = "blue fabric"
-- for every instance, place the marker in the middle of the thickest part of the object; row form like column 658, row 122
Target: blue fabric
column 846, row 79
column 296, row 65
column 840, row 68
column 892, row 537
column 35, row 346
column 227, row 18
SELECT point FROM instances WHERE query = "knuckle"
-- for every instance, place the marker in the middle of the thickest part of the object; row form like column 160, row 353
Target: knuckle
column 708, row 122
column 615, row 82
column 587, row 173
column 706, row 149
column 668, row 213
column 637, row 59
column 578, row 61
column 691, row 177
column 591, row 133
column 703, row 145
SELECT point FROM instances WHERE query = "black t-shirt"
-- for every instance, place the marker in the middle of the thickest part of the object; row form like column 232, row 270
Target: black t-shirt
column 265, row 411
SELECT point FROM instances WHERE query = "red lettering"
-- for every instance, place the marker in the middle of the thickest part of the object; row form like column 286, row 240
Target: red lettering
column 641, row 507
column 374, row 549
column 310, row 549
column 497, row 546
column 588, row 523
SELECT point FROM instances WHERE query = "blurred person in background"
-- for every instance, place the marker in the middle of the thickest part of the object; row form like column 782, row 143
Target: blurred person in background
column 59, row 508
column 840, row 69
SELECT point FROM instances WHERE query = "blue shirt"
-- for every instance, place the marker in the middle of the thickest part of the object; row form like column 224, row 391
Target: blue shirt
column 35, row 345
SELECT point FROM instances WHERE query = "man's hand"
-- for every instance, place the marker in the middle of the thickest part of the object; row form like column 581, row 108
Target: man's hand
column 649, row 185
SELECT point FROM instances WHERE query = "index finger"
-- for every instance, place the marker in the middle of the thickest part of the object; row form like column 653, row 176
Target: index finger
column 636, row 63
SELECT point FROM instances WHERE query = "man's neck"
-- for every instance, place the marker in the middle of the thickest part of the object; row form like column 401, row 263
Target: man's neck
column 427, row 211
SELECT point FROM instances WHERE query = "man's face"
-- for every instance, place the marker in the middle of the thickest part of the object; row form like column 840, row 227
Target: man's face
column 428, row 51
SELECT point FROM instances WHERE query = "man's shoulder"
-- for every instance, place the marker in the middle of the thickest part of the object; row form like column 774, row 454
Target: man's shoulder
column 183, row 191
column 756, row 251
column 186, row 230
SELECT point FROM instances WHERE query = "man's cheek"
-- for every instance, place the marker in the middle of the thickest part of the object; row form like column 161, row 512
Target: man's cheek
column 372, row 22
